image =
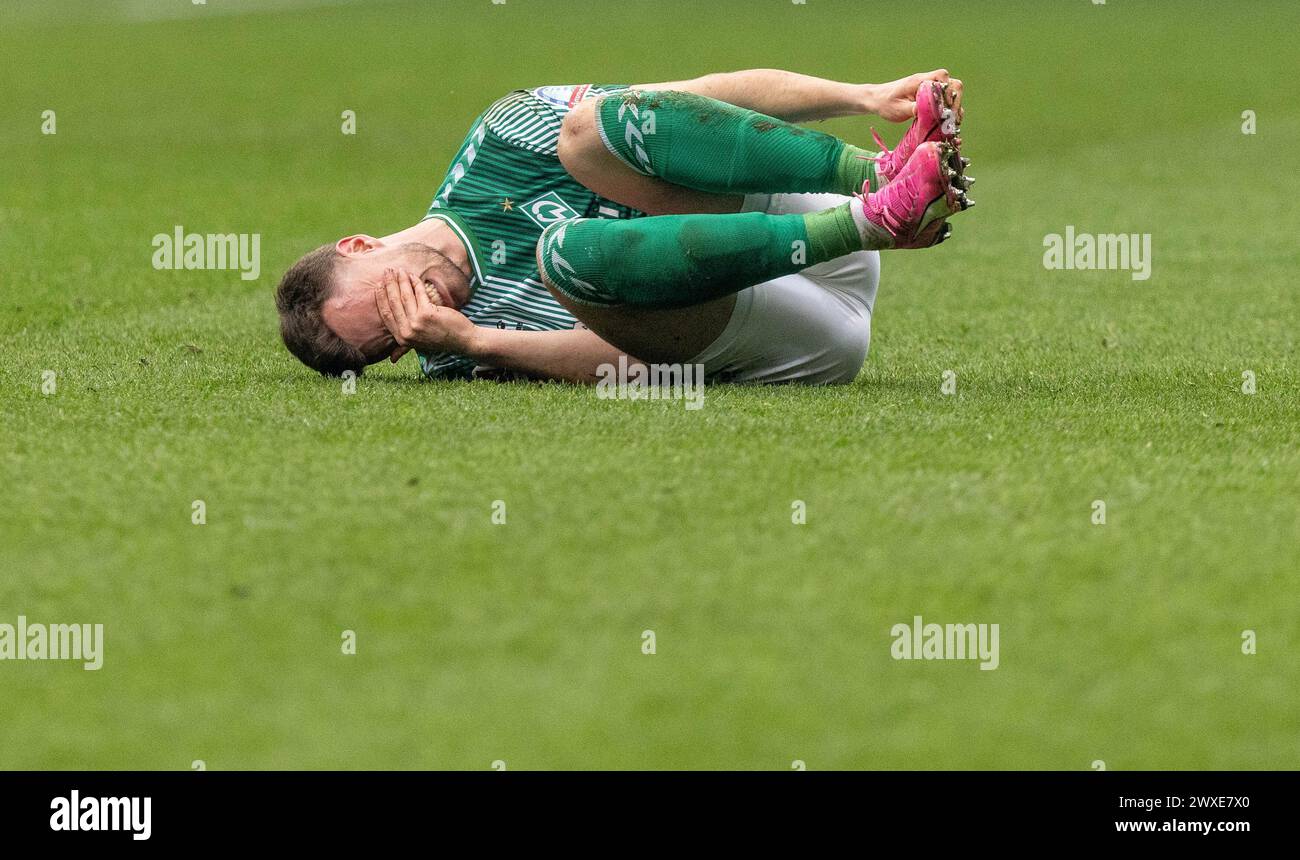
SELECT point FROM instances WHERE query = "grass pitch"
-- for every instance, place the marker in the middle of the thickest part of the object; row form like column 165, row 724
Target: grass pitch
column 522, row 642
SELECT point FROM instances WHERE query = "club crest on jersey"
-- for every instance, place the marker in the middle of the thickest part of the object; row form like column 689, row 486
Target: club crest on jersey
column 548, row 209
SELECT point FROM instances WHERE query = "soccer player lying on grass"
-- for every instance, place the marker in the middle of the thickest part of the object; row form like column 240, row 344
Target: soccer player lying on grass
column 685, row 222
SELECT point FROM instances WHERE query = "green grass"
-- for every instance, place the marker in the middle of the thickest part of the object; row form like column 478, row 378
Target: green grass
column 521, row 642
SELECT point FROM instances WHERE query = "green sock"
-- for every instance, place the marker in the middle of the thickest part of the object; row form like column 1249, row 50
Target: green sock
column 709, row 145
column 677, row 260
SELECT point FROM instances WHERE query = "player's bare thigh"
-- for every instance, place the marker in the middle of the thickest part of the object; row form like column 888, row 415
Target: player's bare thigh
column 656, row 335
column 585, row 157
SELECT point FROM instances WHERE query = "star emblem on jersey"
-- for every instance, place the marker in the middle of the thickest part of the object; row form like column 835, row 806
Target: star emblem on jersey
column 507, row 205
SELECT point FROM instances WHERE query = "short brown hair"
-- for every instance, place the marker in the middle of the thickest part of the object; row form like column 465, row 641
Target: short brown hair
column 299, row 299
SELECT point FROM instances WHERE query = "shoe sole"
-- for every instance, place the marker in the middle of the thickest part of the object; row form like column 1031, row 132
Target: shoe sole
column 949, row 124
column 940, row 110
column 953, row 199
column 955, row 182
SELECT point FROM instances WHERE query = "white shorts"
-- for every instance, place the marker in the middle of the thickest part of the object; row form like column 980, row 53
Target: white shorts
column 812, row 327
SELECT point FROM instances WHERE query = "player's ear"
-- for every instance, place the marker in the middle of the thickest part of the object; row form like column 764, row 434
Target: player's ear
column 350, row 246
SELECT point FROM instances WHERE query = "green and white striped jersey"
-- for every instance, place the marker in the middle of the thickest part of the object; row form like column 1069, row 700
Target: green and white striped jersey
column 505, row 185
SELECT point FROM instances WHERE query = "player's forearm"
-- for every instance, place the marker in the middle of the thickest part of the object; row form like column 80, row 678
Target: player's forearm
column 785, row 95
column 573, row 355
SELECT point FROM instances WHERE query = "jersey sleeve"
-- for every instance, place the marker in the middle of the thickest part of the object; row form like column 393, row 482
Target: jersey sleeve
column 531, row 119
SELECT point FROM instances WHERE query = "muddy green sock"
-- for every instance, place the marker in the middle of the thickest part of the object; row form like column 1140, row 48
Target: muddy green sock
column 678, row 260
column 709, row 145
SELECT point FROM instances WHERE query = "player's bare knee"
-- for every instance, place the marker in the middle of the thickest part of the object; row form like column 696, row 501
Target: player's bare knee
column 579, row 138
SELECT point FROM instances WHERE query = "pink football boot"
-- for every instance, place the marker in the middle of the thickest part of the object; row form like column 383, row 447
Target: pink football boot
column 912, row 210
column 934, row 121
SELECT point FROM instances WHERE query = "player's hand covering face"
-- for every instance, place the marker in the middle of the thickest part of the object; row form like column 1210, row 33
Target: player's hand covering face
column 896, row 100
column 417, row 318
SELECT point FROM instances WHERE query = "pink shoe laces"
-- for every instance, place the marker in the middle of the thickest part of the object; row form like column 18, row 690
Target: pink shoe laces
column 885, row 153
column 891, row 207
